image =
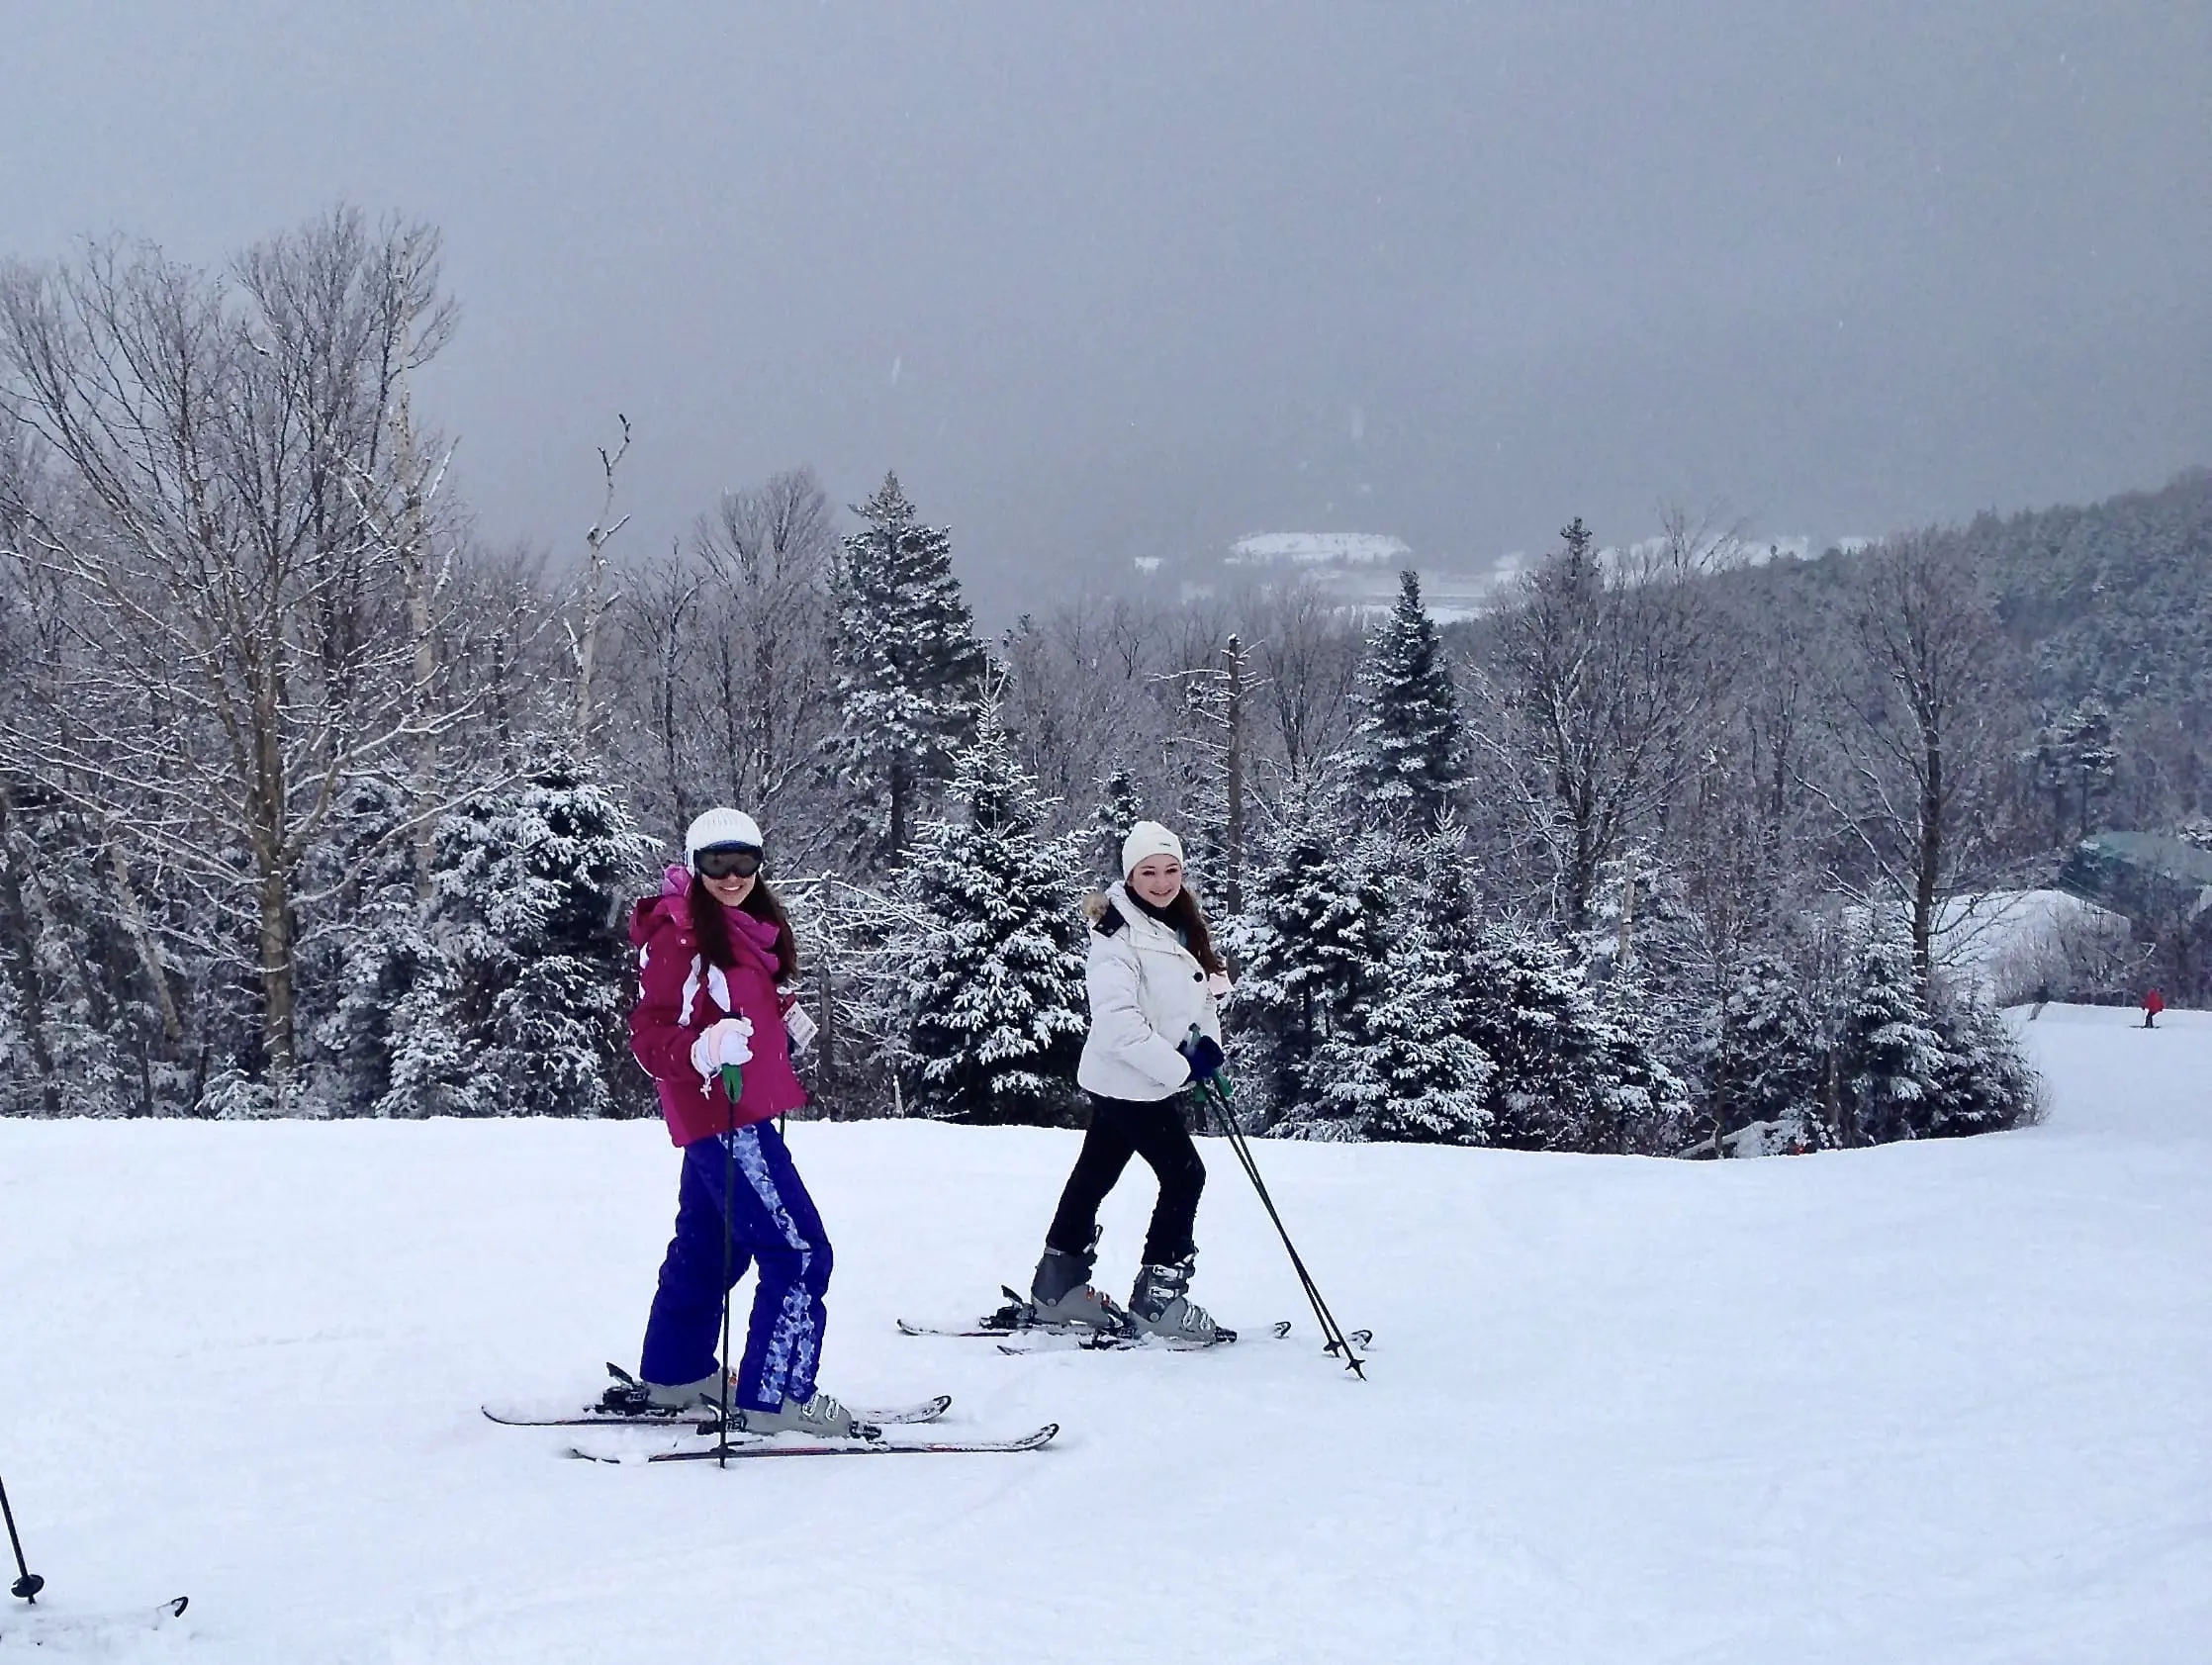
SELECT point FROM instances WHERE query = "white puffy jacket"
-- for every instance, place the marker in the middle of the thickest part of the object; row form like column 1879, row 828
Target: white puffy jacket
column 1146, row 991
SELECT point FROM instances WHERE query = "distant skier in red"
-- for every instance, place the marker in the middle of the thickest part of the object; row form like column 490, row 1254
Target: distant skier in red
column 2152, row 1004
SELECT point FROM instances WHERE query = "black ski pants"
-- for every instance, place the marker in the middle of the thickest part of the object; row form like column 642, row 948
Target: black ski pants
column 1122, row 1128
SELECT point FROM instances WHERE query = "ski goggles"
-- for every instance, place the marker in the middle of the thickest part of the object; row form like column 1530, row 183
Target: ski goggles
column 728, row 860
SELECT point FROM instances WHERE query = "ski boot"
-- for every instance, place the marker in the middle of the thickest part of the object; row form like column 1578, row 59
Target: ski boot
column 821, row 1417
column 1061, row 1294
column 631, row 1397
column 1161, row 1305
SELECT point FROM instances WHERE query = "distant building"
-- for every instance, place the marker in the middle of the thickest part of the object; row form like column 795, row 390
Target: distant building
column 1320, row 549
column 2142, row 875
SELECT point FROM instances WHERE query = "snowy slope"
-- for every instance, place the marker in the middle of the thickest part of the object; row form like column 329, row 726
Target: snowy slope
column 1935, row 1403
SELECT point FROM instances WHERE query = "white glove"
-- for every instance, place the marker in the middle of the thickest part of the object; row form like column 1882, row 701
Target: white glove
column 800, row 1027
column 728, row 1041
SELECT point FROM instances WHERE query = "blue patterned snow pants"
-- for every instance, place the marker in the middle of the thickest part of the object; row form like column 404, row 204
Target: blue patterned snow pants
column 773, row 1224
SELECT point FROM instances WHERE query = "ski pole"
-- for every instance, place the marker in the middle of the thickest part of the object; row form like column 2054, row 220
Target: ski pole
column 28, row 1586
column 1334, row 1341
column 1332, row 1332
column 733, row 1086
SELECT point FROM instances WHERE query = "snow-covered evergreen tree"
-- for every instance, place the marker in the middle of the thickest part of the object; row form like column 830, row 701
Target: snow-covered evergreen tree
column 909, row 668
column 1762, row 1060
column 1399, row 1068
column 81, row 1032
column 2076, row 759
column 1412, row 753
column 1312, row 940
column 1641, row 1106
column 1450, row 912
column 1988, row 1083
column 997, row 1010
column 522, row 1011
column 360, row 962
column 1532, row 1014
column 1403, row 1066
column 1892, row 1060
column 1121, row 806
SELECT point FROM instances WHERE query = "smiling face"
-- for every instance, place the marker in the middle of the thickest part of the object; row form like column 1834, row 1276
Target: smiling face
column 728, row 871
column 730, row 890
column 1156, row 879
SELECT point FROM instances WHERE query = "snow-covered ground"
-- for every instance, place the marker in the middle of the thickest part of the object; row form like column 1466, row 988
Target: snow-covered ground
column 1949, row 1402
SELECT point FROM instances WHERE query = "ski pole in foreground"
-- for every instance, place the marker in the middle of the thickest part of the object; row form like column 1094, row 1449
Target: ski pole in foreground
column 733, row 1088
column 27, row 1585
column 1333, row 1333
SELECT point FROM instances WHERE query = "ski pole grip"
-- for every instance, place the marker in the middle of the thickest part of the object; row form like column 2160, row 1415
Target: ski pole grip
column 733, row 1082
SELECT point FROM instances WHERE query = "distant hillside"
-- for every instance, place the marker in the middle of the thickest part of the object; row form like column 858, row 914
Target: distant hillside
column 2114, row 601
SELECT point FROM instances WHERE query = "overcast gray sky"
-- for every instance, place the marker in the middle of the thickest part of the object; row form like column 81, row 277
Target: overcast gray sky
column 1129, row 277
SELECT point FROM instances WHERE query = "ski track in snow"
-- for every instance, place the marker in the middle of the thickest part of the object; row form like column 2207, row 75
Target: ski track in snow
column 1937, row 1403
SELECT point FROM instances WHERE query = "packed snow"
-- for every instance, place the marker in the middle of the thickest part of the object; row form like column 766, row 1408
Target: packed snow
column 1932, row 1403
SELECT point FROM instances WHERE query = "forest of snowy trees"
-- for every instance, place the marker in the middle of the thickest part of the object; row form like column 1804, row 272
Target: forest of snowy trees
column 310, row 804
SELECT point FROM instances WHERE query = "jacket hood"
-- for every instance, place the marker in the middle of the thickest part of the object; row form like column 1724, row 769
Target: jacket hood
column 649, row 913
column 1116, row 896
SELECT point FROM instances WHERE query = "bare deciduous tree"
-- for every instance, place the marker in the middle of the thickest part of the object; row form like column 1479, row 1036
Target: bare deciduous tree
column 1919, row 715
column 1591, row 703
column 232, row 656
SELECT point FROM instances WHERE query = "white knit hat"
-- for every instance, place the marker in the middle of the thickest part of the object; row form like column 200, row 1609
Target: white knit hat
column 717, row 827
column 1148, row 838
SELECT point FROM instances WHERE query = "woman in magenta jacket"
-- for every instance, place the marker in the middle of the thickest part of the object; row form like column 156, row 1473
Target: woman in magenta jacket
column 711, row 950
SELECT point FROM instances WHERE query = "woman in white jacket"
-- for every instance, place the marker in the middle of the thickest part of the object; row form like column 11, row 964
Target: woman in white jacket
column 1153, row 977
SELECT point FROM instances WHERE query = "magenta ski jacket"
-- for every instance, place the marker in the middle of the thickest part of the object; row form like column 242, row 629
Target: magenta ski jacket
column 680, row 996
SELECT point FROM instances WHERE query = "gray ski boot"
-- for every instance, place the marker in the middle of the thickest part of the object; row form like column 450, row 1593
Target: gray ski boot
column 1062, row 1296
column 822, row 1417
column 706, row 1393
column 1159, row 1305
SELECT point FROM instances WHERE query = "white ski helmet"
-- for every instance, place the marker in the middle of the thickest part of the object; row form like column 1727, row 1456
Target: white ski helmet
column 718, row 827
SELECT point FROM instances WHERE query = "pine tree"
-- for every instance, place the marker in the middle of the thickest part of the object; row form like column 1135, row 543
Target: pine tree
column 1763, row 1061
column 80, row 1026
column 1988, row 1083
column 1532, row 1014
column 357, row 970
column 1892, row 1060
column 2076, row 756
column 1411, row 759
column 1449, row 911
column 997, row 1010
column 1400, row 1070
column 909, row 669
column 1642, row 1106
column 1313, row 944
column 1121, row 806
column 517, row 1005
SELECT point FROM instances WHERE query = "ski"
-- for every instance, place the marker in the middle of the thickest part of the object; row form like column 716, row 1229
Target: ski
column 624, row 1404
column 908, row 1328
column 1017, row 1318
column 701, row 1420
column 1118, row 1341
column 775, row 1447
column 45, row 1627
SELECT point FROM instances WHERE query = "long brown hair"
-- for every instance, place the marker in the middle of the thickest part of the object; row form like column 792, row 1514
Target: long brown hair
column 1186, row 916
column 712, row 929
